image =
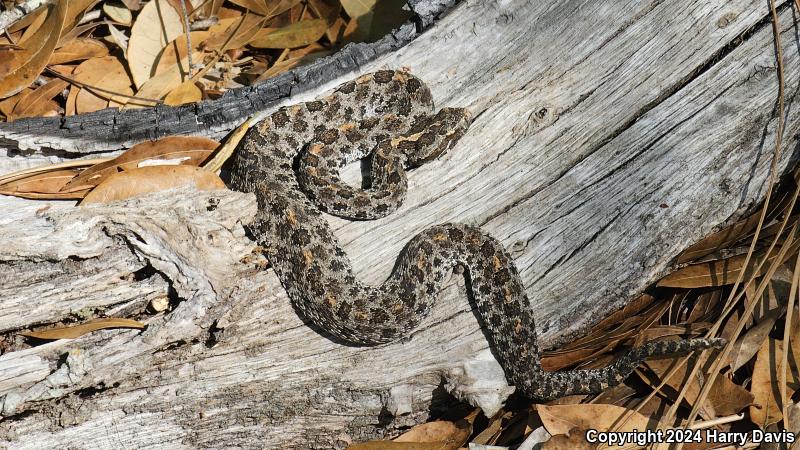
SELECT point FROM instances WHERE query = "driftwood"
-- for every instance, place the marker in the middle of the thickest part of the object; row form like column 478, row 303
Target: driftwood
column 608, row 137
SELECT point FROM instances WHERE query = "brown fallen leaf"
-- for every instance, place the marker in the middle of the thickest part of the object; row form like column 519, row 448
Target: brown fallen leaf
column 295, row 35
column 361, row 13
column 492, row 431
column 256, row 6
column 266, row 8
column 561, row 419
column 186, row 92
column 157, row 87
column 678, row 382
column 20, row 174
column 237, row 32
column 78, row 49
column 764, row 385
column 748, row 345
column 46, row 182
column 451, row 435
column 226, row 150
column 727, row 397
column 389, row 445
column 173, row 55
column 720, row 272
column 576, row 440
column 189, row 150
column 39, row 102
column 19, row 68
column 7, row 105
column 118, row 12
column 157, row 24
column 135, row 182
column 46, row 185
column 75, row 331
column 107, row 73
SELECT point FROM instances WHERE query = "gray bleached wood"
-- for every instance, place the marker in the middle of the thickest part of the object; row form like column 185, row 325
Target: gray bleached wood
column 609, row 136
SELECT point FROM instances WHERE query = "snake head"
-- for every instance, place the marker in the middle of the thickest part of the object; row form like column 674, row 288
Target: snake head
column 437, row 134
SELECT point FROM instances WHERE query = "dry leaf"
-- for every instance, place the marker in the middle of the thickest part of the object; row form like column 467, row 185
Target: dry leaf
column 561, row 419
column 173, row 56
column 257, row 6
column 133, row 5
column 492, row 431
column 266, row 8
column 279, row 68
column 171, row 150
column 7, row 105
column 237, row 32
column 748, row 345
column 117, row 37
column 728, row 397
column 329, row 10
column 720, row 272
column 678, row 382
column 37, row 22
column 297, row 34
column 118, row 12
column 76, row 331
column 75, row 11
column 159, row 86
column 358, row 8
column 135, row 182
column 361, row 14
column 764, row 385
column 576, row 440
column 46, row 185
column 451, row 435
column 19, row 68
column 46, row 182
column 38, row 102
column 20, row 174
column 156, row 25
column 227, row 148
column 389, row 445
column 186, row 92
column 107, row 73
column 793, row 420
column 78, row 49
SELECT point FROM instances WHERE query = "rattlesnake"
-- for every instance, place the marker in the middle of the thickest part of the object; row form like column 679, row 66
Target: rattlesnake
column 294, row 156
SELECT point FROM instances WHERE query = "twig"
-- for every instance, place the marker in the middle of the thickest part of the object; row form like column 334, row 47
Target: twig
column 9, row 17
column 89, row 16
column 204, row 24
column 186, row 31
column 717, row 421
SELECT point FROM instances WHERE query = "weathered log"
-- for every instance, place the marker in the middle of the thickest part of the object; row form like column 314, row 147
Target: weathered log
column 608, row 137
column 112, row 128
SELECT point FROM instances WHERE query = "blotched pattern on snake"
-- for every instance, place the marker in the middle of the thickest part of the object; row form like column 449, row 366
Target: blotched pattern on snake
column 291, row 161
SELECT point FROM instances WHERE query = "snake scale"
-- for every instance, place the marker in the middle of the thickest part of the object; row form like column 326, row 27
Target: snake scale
column 291, row 161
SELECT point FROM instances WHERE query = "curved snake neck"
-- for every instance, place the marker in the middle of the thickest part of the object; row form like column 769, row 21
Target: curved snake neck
column 389, row 116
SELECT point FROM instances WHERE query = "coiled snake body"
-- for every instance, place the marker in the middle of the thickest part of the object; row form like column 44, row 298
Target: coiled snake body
column 294, row 156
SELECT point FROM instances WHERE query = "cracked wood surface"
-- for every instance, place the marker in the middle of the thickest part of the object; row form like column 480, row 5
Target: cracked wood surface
column 608, row 137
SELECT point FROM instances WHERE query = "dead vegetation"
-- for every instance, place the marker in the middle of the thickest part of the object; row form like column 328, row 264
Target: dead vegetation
column 740, row 283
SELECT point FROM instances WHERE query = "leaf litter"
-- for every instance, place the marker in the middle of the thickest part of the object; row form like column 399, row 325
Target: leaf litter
column 112, row 52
